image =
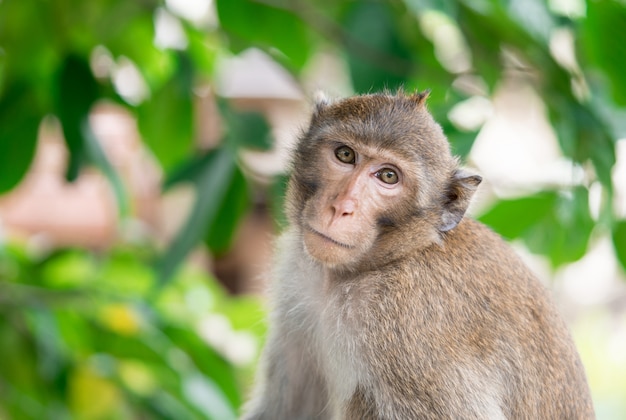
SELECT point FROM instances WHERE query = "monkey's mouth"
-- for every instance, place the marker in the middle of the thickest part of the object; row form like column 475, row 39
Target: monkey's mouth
column 329, row 239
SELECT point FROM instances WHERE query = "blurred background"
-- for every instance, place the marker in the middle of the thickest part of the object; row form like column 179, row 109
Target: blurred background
column 143, row 154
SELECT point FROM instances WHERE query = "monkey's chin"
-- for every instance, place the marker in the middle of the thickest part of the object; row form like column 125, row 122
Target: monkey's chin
column 327, row 250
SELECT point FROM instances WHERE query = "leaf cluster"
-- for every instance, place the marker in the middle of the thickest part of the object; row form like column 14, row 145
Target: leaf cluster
column 92, row 336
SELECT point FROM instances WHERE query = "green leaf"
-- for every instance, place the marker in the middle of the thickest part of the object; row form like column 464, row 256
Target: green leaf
column 512, row 218
column 583, row 136
column 19, row 380
column 266, row 26
column 557, row 225
column 491, row 27
column 171, row 404
column 208, row 361
column 378, row 58
column 448, row 7
column 236, row 202
column 602, row 42
column 98, row 157
column 77, row 90
column 166, row 119
column 533, row 17
column 27, row 41
column 250, row 129
column 74, row 330
column 619, row 242
column 246, row 128
column 125, row 275
column 147, row 348
column 231, row 207
column 127, row 30
column 202, row 49
column 245, row 312
column 563, row 234
column 211, row 184
column 51, row 352
column 188, row 171
column 68, row 270
column 19, row 125
column 483, row 40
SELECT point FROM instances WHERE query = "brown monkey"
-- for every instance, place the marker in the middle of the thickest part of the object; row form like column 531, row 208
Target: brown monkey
column 388, row 303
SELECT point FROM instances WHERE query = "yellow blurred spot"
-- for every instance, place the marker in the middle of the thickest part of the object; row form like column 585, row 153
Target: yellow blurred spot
column 92, row 396
column 120, row 318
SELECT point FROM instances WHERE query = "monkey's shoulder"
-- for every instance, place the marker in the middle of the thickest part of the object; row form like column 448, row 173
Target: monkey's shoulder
column 472, row 268
column 472, row 251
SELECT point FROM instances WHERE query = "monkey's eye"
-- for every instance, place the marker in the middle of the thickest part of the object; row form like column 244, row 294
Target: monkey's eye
column 388, row 176
column 345, row 154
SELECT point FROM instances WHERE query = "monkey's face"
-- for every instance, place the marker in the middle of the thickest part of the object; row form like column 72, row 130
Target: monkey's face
column 372, row 179
column 356, row 186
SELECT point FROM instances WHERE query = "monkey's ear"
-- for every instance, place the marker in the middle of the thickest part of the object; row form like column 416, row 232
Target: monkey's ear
column 457, row 198
column 420, row 97
column 321, row 102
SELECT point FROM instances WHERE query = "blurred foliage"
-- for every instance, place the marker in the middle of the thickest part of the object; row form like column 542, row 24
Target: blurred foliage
column 88, row 336
column 75, row 324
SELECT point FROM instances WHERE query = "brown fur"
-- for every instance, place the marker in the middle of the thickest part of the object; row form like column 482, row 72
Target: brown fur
column 388, row 303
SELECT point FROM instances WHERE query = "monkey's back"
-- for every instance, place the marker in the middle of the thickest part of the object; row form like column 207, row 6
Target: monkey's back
column 481, row 325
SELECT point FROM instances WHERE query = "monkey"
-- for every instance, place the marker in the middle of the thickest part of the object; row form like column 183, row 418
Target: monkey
column 388, row 302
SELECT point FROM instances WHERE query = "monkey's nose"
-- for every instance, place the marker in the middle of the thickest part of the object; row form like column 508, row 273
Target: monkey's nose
column 344, row 207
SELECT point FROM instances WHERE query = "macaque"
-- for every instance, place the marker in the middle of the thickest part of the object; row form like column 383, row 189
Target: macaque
column 388, row 303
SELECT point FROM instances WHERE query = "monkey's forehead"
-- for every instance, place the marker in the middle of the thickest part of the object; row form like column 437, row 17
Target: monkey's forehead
column 380, row 116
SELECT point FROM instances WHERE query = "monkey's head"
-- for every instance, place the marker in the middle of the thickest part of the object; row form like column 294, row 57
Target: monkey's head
column 373, row 179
